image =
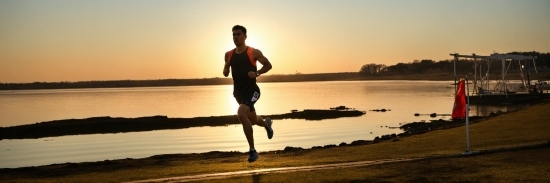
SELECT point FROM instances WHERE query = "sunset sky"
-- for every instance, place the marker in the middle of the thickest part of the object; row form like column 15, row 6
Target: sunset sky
column 72, row 40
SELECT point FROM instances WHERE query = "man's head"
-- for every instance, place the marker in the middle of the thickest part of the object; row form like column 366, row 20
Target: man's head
column 239, row 35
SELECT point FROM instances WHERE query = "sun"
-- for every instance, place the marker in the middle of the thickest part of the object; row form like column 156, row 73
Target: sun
column 253, row 42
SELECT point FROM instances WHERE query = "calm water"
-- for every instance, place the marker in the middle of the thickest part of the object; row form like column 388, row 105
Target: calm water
column 404, row 98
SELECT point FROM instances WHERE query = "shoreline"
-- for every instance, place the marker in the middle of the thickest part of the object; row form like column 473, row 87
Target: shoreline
column 409, row 129
column 314, row 77
column 496, row 132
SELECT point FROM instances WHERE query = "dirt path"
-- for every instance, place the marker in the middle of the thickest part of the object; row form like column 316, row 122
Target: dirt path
column 322, row 167
column 276, row 170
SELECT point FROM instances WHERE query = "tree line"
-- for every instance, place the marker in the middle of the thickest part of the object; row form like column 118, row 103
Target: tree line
column 175, row 82
column 463, row 66
column 115, row 84
column 399, row 71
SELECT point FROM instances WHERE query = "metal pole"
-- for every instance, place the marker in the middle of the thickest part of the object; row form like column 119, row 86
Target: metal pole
column 487, row 79
column 467, row 114
column 528, row 66
column 504, row 82
column 475, row 73
column 481, row 74
column 456, row 57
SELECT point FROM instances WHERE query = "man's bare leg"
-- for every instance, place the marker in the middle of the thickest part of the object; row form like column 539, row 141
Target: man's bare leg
column 256, row 120
column 243, row 112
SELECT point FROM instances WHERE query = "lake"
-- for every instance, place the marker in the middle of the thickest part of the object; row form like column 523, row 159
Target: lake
column 403, row 98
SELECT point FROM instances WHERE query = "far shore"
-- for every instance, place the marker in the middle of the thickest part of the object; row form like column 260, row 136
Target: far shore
column 343, row 76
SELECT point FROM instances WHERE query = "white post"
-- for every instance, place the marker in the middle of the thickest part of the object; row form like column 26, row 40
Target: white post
column 467, row 114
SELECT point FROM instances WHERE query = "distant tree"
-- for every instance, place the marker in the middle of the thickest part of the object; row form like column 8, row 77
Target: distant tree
column 463, row 66
column 372, row 69
column 400, row 68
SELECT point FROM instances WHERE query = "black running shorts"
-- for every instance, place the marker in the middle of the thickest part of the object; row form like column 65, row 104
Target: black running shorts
column 248, row 99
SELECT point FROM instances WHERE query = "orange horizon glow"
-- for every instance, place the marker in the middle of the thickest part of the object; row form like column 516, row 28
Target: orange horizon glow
column 65, row 40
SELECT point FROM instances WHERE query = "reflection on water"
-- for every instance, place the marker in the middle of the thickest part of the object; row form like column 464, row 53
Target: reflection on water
column 24, row 107
column 31, row 106
column 404, row 98
column 79, row 148
column 486, row 110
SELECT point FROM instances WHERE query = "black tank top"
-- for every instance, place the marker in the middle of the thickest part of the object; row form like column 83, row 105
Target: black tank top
column 240, row 66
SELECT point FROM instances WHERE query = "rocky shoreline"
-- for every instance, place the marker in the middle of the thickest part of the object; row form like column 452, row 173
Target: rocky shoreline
column 508, row 131
column 410, row 129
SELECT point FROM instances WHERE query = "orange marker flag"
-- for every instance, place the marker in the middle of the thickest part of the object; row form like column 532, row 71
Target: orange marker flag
column 459, row 109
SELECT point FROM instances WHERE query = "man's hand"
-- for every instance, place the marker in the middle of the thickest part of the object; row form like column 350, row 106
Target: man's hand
column 226, row 65
column 226, row 72
column 252, row 74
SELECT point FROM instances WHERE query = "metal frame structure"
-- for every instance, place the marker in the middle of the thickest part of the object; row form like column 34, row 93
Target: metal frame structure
column 510, row 58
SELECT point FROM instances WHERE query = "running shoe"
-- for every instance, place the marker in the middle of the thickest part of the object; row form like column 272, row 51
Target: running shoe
column 268, row 128
column 253, row 156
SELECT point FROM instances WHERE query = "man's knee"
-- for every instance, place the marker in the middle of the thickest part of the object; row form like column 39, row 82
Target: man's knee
column 243, row 111
column 252, row 118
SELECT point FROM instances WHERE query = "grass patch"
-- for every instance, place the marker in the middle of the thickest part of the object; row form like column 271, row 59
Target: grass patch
column 529, row 165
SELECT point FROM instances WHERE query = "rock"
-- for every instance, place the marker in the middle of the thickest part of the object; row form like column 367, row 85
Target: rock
column 330, row 145
column 360, row 142
column 385, row 137
column 72, row 165
column 292, row 149
column 380, row 110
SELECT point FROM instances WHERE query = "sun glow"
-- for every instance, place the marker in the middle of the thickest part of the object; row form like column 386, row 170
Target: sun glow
column 249, row 42
column 253, row 43
column 232, row 105
column 182, row 39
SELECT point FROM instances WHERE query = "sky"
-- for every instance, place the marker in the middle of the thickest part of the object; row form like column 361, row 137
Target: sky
column 74, row 40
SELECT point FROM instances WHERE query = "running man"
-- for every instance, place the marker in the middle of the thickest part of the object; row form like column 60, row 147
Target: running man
column 242, row 61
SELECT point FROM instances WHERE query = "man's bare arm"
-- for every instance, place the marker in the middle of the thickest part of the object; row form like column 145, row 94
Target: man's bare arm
column 226, row 66
column 266, row 65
